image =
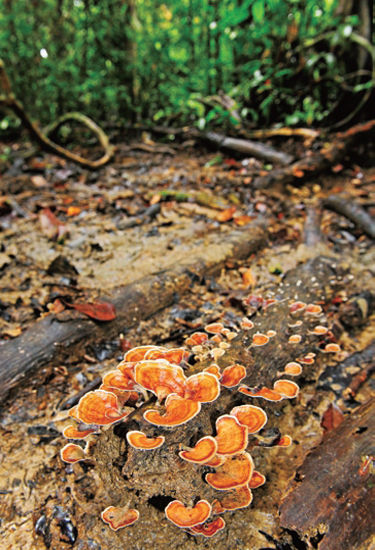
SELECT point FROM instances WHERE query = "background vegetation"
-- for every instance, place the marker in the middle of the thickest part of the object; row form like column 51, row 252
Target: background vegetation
column 280, row 61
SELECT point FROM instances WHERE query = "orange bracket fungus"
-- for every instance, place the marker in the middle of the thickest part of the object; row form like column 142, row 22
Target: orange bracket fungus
column 286, row 388
column 297, row 307
column 254, row 418
column 231, row 435
column 119, row 517
column 313, row 309
column 292, row 368
column 99, row 407
column 196, row 339
column 284, row 441
column 264, row 393
column 139, row 440
column 214, row 328
column 260, row 339
column 331, row 348
column 73, row 432
column 232, row 375
column 213, row 369
column 180, row 398
column 246, row 324
column 184, row 517
column 203, row 387
column 257, row 480
column 240, row 497
column 295, row 339
column 72, row 453
column 137, row 354
column 178, row 410
column 204, row 451
column 236, row 471
column 208, row 529
column 160, row 377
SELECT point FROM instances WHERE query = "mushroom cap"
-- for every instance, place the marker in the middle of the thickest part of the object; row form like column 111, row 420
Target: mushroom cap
column 99, row 407
column 292, row 368
column 160, row 377
column 137, row 354
column 294, row 339
column 214, row 328
column 246, row 324
column 183, row 516
column 240, row 497
column 259, row 339
column 196, row 339
column 331, row 348
column 203, row 451
column 231, row 435
column 178, row 411
column 236, row 471
column 264, row 393
column 72, row 432
column 173, row 355
column 319, row 330
column 203, row 387
column 72, row 453
column 286, row 388
column 306, row 360
column 119, row 517
column 271, row 333
column 285, row 441
column 257, row 479
column 254, row 418
column 139, row 440
column 215, row 461
column 295, row 307
column 117, row 379
column 213, row 369
column 233, row 375
column 313, row 309
column 209, row 529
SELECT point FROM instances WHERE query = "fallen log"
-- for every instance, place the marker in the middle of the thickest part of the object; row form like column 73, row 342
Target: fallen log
column 332, row 498
column 151, row 480
column 313, row 163
column 52, row 339
column 347, row 207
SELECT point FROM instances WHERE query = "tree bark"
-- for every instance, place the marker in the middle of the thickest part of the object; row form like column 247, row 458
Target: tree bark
column 331, row 497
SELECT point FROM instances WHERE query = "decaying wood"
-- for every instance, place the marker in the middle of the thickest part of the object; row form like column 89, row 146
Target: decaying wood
column 315, row 163
column 332, row 497
column 51, row 338
column 249, row 148
column 162, row 473
column 354, row 212
column 9, row 100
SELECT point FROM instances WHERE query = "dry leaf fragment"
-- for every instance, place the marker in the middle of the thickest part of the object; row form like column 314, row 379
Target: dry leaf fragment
column 101, row 311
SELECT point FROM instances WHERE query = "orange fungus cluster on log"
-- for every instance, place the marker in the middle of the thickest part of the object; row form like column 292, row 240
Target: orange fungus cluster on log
column 156, row 370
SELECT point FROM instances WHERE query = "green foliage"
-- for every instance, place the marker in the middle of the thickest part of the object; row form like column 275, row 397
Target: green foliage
column 280, row 61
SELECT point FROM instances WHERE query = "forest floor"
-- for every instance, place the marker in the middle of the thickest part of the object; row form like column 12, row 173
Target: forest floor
column 70, row 236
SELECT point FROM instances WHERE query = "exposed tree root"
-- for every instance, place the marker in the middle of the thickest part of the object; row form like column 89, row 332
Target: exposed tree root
column 9, row 100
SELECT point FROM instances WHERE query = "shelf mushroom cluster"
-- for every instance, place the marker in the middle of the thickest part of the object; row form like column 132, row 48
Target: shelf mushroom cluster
column 159, row 370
